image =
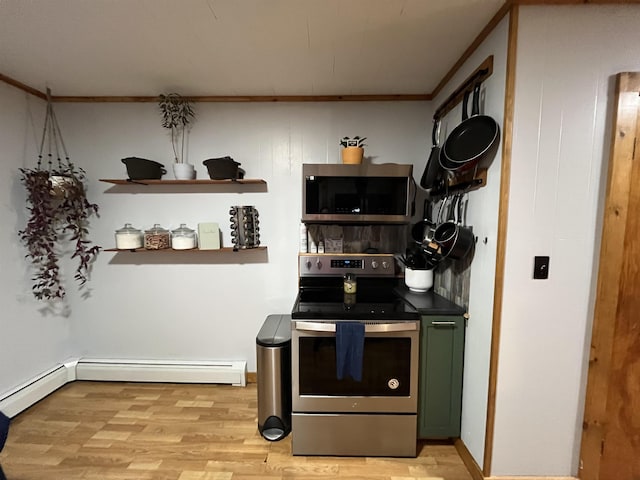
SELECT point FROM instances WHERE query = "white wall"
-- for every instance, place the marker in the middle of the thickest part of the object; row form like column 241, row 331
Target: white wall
column 482, row 215
column 33, row 338
column 567, row 58
column 153, row 306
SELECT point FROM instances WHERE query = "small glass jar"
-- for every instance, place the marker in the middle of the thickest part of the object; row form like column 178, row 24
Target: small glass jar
column 350, row 283
column 156, row 238
column 128, row 238
column 349, row 300
column 183, row 238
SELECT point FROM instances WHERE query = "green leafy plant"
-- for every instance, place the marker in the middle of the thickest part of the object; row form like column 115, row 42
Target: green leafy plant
column 59, row 210
column 178, row 115
column 353, row 142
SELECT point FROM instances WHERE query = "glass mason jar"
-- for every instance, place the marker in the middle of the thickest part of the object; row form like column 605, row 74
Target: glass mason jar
column 350, row 283
column 156, row 238
column 128, row 238
column 183, row 238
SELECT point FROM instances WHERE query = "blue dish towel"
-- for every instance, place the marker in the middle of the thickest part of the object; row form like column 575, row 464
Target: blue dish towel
column 4, row 429
column 349, row 349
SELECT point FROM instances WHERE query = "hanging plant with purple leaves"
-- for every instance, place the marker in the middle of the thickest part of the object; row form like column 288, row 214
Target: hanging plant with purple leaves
column 59, row 210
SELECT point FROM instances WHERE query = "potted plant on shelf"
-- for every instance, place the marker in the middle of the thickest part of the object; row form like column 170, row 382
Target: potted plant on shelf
column 59, row 210
column 178, row 115
column 353, row 151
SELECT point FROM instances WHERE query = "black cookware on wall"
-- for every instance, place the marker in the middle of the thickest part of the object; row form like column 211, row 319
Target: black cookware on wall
column 454, row 239
column 429, row 178
column 422, row 232
column 474, row 141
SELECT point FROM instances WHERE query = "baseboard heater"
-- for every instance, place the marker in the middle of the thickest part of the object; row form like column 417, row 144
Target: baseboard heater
column 162, row 371
column 234, row 373
column 34, row 390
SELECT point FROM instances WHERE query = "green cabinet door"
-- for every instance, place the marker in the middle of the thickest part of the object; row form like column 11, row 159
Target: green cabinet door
column 441, row 360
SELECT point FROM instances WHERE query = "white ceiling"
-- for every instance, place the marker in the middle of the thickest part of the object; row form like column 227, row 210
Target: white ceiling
column 236, row 47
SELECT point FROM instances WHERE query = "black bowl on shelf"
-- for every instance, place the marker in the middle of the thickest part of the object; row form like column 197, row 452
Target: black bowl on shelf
column 223, row 168
column 143, row 169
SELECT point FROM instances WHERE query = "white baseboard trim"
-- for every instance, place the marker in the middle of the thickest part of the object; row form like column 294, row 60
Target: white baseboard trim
column 530, row 478
column 234, row 373
column 23, row 396
column 32, row 391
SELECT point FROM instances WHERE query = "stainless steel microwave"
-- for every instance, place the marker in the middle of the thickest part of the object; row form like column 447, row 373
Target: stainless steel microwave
column 365, row 193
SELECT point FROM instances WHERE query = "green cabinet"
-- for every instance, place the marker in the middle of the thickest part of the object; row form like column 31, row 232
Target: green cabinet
column 441, row 363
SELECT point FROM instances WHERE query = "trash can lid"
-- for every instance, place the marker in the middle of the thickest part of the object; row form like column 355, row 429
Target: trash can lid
column 275, row 331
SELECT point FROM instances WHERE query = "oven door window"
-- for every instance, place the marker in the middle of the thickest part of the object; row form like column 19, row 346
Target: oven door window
column 386, row 369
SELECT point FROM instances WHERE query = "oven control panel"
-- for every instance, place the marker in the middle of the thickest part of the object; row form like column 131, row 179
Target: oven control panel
column 313, row 264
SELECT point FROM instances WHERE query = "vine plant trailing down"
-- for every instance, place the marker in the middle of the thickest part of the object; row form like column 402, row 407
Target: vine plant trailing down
column 58, row 206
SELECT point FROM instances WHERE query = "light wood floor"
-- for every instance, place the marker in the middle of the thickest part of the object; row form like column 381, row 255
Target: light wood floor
column 133, row 431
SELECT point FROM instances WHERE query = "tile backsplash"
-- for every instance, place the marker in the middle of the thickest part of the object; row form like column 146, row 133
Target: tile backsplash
column 360, row 238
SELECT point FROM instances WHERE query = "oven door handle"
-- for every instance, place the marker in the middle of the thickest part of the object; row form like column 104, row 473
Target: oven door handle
column 368, row 328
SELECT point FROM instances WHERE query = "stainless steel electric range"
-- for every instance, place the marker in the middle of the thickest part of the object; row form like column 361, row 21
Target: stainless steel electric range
column 371, row 413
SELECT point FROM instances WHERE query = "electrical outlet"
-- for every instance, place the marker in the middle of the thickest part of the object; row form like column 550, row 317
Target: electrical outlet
column 540, row 268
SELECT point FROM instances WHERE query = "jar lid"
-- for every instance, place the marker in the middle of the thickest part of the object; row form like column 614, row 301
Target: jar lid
column 183, row 230
column 128, row 229
column 156, row 229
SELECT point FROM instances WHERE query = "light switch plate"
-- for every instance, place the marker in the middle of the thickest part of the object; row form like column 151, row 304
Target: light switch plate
column 540, row 268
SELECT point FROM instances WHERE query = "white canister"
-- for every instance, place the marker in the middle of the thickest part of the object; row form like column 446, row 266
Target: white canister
column 128, row 238
column 183, row 238
column 418, row 280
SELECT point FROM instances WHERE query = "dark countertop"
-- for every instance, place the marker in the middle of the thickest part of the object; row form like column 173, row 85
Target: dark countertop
column 428, row 303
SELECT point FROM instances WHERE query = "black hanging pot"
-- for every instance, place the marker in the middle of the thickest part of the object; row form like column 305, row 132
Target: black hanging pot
column 430, row 176
column 474, row 141
column 454, row 239
column 422, row 232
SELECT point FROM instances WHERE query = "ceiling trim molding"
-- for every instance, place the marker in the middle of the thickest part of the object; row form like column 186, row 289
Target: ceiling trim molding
column 255, row 98
column 21, row 86
column 222, row 98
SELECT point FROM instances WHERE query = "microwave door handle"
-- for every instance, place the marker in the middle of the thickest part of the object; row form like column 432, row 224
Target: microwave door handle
column 368, row 328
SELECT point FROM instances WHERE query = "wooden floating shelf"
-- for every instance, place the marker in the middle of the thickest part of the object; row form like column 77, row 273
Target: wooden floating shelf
column 243, row 181
column 191, row 250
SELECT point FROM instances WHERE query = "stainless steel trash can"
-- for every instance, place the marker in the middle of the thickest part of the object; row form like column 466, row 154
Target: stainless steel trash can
column 273, row 354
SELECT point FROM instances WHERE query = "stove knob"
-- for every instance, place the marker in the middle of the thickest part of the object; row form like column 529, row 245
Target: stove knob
column 374, row 264
column 308, row 264
column 385, row 265
column 319, row 265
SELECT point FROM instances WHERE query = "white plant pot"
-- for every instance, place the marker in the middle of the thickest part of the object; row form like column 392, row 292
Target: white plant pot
column 184, row 171
column 418, row 280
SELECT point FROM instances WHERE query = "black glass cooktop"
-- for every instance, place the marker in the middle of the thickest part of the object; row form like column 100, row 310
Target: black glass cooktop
column 370, row 302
